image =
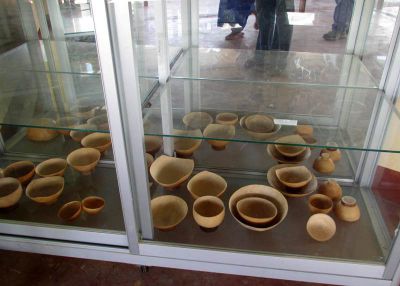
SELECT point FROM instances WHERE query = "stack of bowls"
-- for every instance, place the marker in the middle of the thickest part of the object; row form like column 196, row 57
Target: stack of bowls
column 259, row 126
column 288, row 151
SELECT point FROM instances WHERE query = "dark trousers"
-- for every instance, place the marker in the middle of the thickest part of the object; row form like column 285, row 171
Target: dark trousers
column 342, row 15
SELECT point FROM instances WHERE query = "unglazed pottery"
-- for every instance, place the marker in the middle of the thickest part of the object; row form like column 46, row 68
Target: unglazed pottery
column 23, row 171
column 51, row 167
column 324, row 164
column 67, row 123
column 259, row 123
column 70, row 211
column 273, row 152
column 10, row 192
column 149, row 160
column 321, row 227
column 77, row 135
column 294, row 177
column 256, row 210
column 259, row 135
column 290, row 150
column 168, row 212
column 226, row 118
column 152, row 144
column 304, row 130
column 84, row 160
column 334, row 153
column 347, row 209
column 208, row 212
column 331, row 189
column 219, row 131
column 197, row 120
column 206, row 183
column 320, row 204
column 185, row 147
column 42, row 134
column 101, row 121
column 170, row 172
column 93, row 205
column 99, row 141
column 45, row 190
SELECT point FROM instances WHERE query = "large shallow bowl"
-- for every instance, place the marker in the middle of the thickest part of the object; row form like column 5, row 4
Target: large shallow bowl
column 45, row 190
column 197, row 120
column 208, row 212
column 152, row 144
column 170, row 172
column 321, row 227
column 259, row 135
column 290, row 150
column 99, row 141
column 10, row 192
column 42, row 134
column 168, row 212
column 219, row 131
column 93, row 205
column 294, row 176
column 185, row 147
column 70, row 211
column 206, row 183
column 84, row 160
column 23, row 171
column 256, row 210
column 271, row 150
column 51, row 167
column 226, row 118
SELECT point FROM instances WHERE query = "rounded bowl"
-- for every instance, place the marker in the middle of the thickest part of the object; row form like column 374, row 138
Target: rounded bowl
column 290, row 150
column 304, row 130
column 78, row 134
column 41, row 134
column 331, row 189
column 45, row 190
column 259, row 123
column 208, row 212
column 185, row 147
column 93, row 204
column 152, row 144
column 206, row 183
column 320, row 204
column 99, row 141
column 321, row 227
column 259, row 135
column 70, row 211
column 347, row 209
column 23, row 171
column 197, row 120
column 67, row 123
column 10, row 192
column 256, row 210
column 219, row 131
column 84, row 160
column 51, row 167
column 226, row 118
column 168, row 211
column 294, row 177
column 273, row 152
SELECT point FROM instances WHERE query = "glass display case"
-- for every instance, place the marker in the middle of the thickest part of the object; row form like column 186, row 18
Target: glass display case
column 246, row 139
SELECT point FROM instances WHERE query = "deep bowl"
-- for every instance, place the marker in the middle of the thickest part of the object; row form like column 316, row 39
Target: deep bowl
column 208, row 212
column 93, row 205
column 206, row 183
column 99, row 141
column 185, row 147
column 168, row 212
column 319, row 203
column 70, row 211
column 42, row 134
column 226, row 118
column 256, row 210
column 219, row 131
column 45, row 190
column 294, row 177
column 10, row 192
column 84, row 160
column 152, row 144
column 51, row 167
column 23, row 171
column 197, row 120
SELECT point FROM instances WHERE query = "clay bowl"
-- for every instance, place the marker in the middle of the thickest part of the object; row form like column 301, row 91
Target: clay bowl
column 170, row 172
column 84, row 160
column 347, row 209
column 77, row 135
column 264, row 192
column 331, row 189
column 51, row 167
column 93, row 205
column 45, row 190
column 168, row 212
column 10, row 192
column 101, row 121
column 42, row 134
column 206, row 184
column 226, row 118
column 197, row 120
column 294, row 177
column 149, row 160
column 208, row 212
column 290, row 150
column 67, row 123
column 99, row 141
column 273, row 152
column 259, row 135
column 259, row 123
column 321, row 227
column 304, row 130
column 152, row 144
column 320, row 204
column 185, row 147
column 219, row 131
column 23, row 171
column 70, row 211
column 256, row 210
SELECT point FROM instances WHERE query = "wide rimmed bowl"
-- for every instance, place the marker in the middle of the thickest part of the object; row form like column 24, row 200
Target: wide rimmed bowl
column 51, row 167
column 259, row 135
column 170, row 172
column 208, row 212
column 256, row 210
column 152, row 144
column 99, row 141
column 271, row 151
column 23, row 171
column 168, row 211
column 41, row 134
column 93, row 204
column 226, row 118
column 184, row 145
column 206, row 183
column 294, row 176
column 101, row 121
column 45, row 190
column 290, row 150
column 67, row 123
column 319, row 203
column 197, row 120
column 84, row 160
column 219, row 131
column 10, row 192
column 321, row 227
column 70, row 211
column 78, row 134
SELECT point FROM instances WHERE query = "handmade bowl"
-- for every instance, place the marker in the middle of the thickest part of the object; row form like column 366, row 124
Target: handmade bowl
column 41, row 134
column 10, row 192
column 259, row 123
column 294, row 177
column 208, row 212
column 219, row 131
column 304, row 130
column 273, row 152
column 331, row 189
column 334, row 153
column 321, row 227
column 170, row 172
column 45, row 190
column 93, row 205
column 101, row 121
column 23, row 171
column 324, row 164
column 226, row 118
column 149, row 160
column 51, row 167
column 152, row 144
column 320, row 204
column 78, row 134
column 347, row 209
column 290, row 150
column 84, row 160
column 67, row 123
column 206, row 184
column 185, row 147
column 70, row 211
column 197, row 120
column 256, row 210
column 259, row 135
column 168, row 212
column 99, row 141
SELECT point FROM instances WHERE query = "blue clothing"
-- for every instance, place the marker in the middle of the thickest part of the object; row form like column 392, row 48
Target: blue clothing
column 235, row 12
column 342, row 15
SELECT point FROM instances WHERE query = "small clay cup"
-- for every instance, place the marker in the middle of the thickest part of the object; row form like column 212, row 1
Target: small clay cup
column 320, row 204
column 70, row 211
column 93, row 205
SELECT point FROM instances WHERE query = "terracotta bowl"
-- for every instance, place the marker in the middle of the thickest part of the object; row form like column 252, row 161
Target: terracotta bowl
column 331, row 189
column 256, row 210
column 321, row 227
column 226, row 118
column 206, row 184
column 99, row 141
column 168, row 212
column 70, row 211
column 347, row 209
column 294, row 177
column 185, row 147
column 334, row 153
column 23, row 171
column 320, row 204
column 149, row 160
column 208, row 212
column 51, row 167
column 170, row 172
column 152, row 144
column 84, row 160
column 78, row 134
column 101, row 121
column 42, row 134
column 259, row 123
column 219, row 131
column 197, row 120
column 259, row 135
column 10, row 192
column 67, row 123
column 290, row 150
column 304, row 130
column 45, row 190
column 273, row 152
column 93, row 205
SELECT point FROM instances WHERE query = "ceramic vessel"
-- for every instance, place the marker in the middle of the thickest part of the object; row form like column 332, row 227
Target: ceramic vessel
column 256, row 210
column 273, row 152
column 310, row 140
column 10, row 192
column 206, row 184
column 321, row 227
column 320, row 204
column 347, row 209
column 152, row 144
column 304, row 130
column 168, row 212
column 70, row 211
column 208, row 212
column 42, row 134
column 84, row 160
column 51, row 167
column 290, row 150
column 219, row 131
column 101, row 121
column 45, row 190
column 294, row 177
column 334, row 153
column 67, row 123
column 93, row 205
column 78, row 134
column 197, row 120
column 23, row 171
column 185, row 147
column 226, row 118
column 331, row 189
column 99, row 141
column 259, row 135
column 149, row 160
column 170, row 172
column 259, row 123
column 324, row 164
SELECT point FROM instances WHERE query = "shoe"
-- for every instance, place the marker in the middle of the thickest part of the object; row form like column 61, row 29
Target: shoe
column 334, row 35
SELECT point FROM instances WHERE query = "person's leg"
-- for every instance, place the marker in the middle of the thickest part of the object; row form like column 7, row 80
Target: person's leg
column 341, row 20
column 235, row 33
